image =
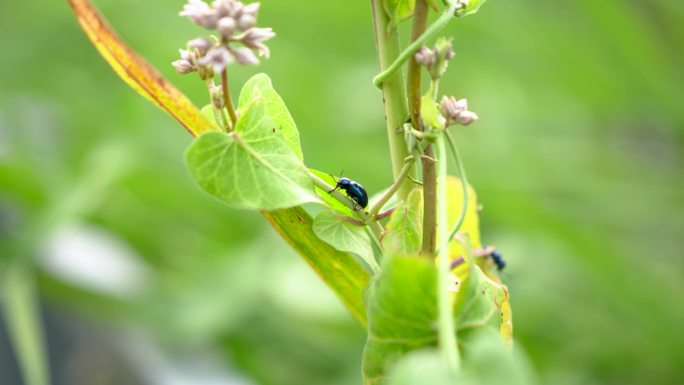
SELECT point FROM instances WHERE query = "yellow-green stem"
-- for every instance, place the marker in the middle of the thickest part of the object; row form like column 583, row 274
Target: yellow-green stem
column 447, row 326
column 393, row 92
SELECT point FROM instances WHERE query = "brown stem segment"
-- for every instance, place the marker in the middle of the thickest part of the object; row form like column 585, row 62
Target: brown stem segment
column 429, row 203
column 420, row 17
column 413, row 79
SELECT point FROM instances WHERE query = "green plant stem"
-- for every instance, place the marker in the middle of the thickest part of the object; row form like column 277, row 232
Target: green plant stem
column 226, row 96
column 447, row 330
column 226, row 92
column 393, row 189
column 219, row 114
column 464, row 186
column 22, row 317
column 377, row 256
column 407, row 53
column 393, row 92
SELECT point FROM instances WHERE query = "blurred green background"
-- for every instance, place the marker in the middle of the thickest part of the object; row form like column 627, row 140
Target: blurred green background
column 145, row 279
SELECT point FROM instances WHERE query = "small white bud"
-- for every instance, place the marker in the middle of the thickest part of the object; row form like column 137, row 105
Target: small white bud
column 246, row 22
column 237, row 9
column 456, row 111
column 244, row 55
column 200, row 13
column 257, row 35
column 467, row 117
column 223, row 8
column 186, row 54
column 183, row 66
column 201, row 44
column 218, row 58
column 251, row 9
column 226, row 26
column 425, row 57
column 253, row 38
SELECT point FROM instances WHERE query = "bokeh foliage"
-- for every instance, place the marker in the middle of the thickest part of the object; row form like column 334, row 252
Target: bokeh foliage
column 577, row 160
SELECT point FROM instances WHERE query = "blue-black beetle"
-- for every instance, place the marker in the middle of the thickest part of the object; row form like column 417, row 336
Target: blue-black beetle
column 354, row 191
column 498, row 260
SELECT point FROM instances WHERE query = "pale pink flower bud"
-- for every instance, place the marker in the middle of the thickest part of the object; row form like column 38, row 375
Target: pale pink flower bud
column 246, row 22
column 218, row 58
column 251, row 9
column 186, row 63
column 200, row 13
column 237, row 9
column 425, row 56
column 467, row 117
column 186, row 54
column 253, row 37
column 226, row 26
column 244, row 55
column 201, row 44
column 456, row 111
column 183, row 66
column 223, row 8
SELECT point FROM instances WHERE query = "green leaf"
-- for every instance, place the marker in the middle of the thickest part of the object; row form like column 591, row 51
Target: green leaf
column 251, row 167
column 344, row 236
column 471, row 223
column 337, row 269
column 487, row 363
column 482, row 303
column 22, row 317
column 402, row 314
column 429, row 110
column 260, row 85
column 136, row 71
column 403, row 233
column 472, row 8
column 398, row 10
column 208, row 112
column 331, row 201
column 422, row 367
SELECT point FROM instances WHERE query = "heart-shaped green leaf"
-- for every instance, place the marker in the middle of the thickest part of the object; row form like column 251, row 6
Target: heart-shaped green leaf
column 403, row 233
column 471, row 222
column 260, row 85
column 482, row 303
column 344, row 236
column 402, row 314
column 422, row 367
column 252, row 167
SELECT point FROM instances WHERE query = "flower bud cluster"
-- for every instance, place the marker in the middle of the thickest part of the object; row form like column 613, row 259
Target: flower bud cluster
column 456, row 111
column 240, row 41
column 192, row 60
column 436, row 60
